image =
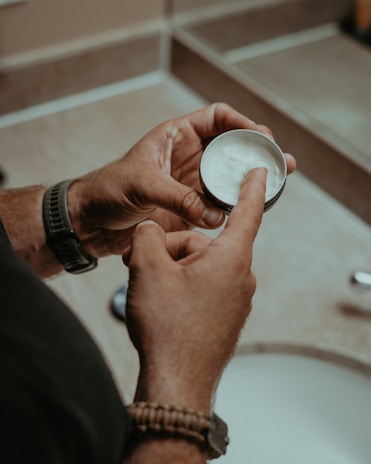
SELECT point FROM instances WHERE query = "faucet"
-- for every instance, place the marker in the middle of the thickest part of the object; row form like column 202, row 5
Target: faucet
column 361, row 279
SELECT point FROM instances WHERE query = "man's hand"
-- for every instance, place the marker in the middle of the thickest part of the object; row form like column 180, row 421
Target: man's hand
column 188, row 299
column 157, row 179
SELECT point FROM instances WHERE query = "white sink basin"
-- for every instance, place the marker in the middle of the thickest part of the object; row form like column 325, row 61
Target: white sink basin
column 292, row 409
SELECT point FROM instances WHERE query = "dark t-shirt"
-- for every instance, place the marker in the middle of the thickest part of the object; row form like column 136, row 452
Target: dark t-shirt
column 58, row 401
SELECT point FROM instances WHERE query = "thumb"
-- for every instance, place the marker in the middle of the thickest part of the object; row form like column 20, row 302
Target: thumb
column 148, row 248
column 186, row 202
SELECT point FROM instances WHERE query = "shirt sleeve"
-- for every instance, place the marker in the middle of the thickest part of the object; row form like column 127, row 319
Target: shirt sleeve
column 58, row 401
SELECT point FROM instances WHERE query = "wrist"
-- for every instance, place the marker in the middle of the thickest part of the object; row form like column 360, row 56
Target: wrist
column 158, row 450
column 60, row 235
column 163, row 387
column 88, row 233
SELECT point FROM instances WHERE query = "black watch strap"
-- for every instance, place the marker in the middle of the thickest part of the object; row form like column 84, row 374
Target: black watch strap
column 59, row 233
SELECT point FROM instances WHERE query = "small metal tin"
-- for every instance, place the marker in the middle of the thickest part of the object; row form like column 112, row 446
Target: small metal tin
column 230, row 156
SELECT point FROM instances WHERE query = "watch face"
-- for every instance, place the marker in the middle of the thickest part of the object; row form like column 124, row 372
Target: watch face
column 217, row 437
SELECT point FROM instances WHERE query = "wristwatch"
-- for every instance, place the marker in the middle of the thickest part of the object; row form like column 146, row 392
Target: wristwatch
column 209, row 432
column 59, row 233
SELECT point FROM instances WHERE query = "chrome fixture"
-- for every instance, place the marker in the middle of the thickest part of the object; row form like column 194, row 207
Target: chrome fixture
column 361, row 279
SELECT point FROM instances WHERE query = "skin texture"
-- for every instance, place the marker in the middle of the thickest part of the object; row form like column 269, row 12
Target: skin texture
column 195, row 290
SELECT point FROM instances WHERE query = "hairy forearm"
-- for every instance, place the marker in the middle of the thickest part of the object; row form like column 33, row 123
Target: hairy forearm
column 21, row 214
column 21, row 211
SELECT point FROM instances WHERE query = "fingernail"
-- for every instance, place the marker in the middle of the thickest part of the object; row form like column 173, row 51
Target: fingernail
column 148, row 221
column 261, row 169
column 212, row 217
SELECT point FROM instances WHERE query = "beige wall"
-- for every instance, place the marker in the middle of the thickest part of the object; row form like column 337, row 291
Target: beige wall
column 41, row 23
column 180, row 6
column 186, row 5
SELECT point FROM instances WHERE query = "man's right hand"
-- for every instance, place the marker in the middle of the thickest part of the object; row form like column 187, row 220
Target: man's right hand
column 188, row 299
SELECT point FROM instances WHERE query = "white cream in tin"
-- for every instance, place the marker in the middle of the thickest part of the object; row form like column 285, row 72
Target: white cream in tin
column 230, row 156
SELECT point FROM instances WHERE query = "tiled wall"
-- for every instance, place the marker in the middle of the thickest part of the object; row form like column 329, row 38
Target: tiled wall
column 52, row 48
column 235, row 29
column 41, row 23
column 180, row 6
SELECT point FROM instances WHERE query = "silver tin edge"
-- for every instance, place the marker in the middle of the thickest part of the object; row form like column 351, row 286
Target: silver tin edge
column 226, row 207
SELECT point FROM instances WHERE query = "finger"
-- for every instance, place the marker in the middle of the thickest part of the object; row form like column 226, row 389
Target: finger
column 245, row 218
column 185, row 243
column 126, row 255
column 290, row 162
column 218, row 118
column 264, row 130
column 184, row 201
column 179, row 245
column 148, row 249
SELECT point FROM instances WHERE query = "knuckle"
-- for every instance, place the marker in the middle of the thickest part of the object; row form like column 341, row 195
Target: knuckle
column 248, row 285
column 220, row 110
column 252, row 282
column 191, row 204
column 221, row 106
column 265, row 129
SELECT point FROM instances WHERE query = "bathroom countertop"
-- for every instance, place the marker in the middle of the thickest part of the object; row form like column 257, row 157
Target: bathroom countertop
column 305, row 252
